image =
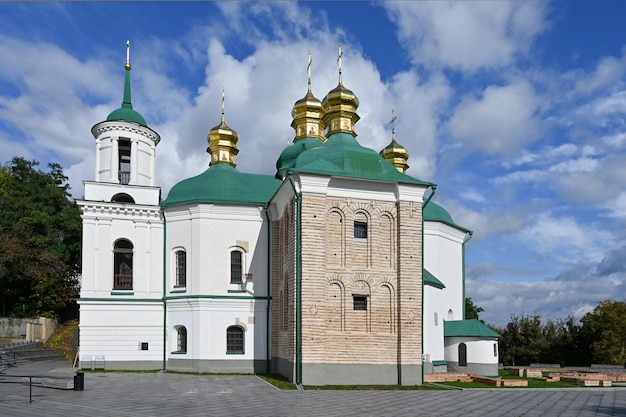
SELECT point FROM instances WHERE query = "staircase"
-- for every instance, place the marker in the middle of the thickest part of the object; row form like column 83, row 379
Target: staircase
column 15, row 355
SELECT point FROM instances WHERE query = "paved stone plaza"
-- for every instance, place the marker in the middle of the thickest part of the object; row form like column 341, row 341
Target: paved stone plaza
column 165, row 394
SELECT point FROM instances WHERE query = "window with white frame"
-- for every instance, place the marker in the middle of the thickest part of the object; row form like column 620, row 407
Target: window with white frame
column 234, row 340
column 181, row 268
column 181, row 339
column 236, row 266
column 123, row 265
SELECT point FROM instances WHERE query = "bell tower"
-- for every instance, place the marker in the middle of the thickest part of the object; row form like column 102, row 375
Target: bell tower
column 125, row 151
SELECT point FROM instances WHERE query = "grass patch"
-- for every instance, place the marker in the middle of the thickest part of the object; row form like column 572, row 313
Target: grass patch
column 62, row 340
column 278, row 381
column 373, row 387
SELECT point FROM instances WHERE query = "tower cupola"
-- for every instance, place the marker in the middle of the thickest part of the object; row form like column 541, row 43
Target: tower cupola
column 394, row 153
column 223, row 142
column 307, row 114
column 340, row 106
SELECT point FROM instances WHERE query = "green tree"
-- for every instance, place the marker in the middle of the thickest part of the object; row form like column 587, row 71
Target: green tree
column 606, row 326
column 472, row 310
column 40, row 240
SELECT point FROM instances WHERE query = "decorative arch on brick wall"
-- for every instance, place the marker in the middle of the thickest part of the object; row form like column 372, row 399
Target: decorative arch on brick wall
column 335, row 308
column 358, row 319
column 383, row 309
column 361, row 250
column 385, row 240
column 335, row 238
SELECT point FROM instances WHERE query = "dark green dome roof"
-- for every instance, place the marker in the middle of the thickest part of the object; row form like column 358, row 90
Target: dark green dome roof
column 342, row 155
column 289, row 155
column 127, row 114
column 222, row 183
column 435, row 213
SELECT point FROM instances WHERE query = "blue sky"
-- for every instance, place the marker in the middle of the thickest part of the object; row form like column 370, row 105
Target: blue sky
column 514, row 108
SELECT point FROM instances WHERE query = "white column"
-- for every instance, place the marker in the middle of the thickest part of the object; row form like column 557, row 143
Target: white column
column 115, row 163
column 134, row 162
column 152, row 164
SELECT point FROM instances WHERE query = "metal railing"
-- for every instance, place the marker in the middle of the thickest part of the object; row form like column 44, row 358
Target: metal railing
column 122, row 281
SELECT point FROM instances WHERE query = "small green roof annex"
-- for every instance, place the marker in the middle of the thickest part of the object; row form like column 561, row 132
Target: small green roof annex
column 222, row 183
column 435, row 213
column 468, row 328
column 430, row 279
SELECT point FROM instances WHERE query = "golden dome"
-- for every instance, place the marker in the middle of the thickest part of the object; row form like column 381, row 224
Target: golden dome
column 394, row 153
column 339, row 107
column 222, row 142
column 307, row 115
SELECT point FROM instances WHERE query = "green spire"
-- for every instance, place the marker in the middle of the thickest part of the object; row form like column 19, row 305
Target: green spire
column 126, row 112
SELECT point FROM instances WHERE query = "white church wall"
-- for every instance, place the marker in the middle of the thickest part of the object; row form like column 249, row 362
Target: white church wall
column 209, row 233
column 443, row 257
column 126, row 334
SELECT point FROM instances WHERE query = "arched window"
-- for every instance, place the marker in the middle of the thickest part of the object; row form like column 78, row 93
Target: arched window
column 122, row 198
column 236, row 266
column 123, row 265
column 181, row 268
column 462, row 354
column 181, row 339
column 450, row 315
column 234, row 340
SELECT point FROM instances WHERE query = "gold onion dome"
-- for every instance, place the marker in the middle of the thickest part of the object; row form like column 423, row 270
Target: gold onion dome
column 394, row 153
column 222, row 142
column 307, row 115
column 339, row 107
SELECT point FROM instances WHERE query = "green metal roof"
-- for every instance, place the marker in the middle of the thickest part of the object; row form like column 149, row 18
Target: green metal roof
column 126, row 112
column 435, row 213
column 430, row 279
column 288, row 156
column 341, row 155
column 222, row 183
column 468, row 328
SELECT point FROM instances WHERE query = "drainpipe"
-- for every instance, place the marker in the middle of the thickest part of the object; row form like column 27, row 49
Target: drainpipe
column 164, row 288
column 469, row 236
column 269, row 292
column 298, row 282
column 433, row 188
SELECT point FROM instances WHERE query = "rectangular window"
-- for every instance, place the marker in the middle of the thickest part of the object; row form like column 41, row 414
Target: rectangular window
column 124, row 159
column 181, row 268
column 360, row 230
column 360, row 302
column 236, row 269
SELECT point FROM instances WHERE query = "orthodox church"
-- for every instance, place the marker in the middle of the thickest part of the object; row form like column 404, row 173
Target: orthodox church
column 338, row 269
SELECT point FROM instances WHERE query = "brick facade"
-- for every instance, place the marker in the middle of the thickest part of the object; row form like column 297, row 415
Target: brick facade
column 383, row 268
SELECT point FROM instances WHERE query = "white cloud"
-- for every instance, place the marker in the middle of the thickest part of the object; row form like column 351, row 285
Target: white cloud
column 617, row 206
column 574, row 291
column 468, row 35
column 565, row 239
column 501, row 120
column 608, row 71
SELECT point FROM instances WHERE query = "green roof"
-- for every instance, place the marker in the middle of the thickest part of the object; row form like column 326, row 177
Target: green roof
column 341, row 155
column 430, row 279
column 468, row 328
column 222, row 183
column 288, row 156
column 435, row 213
column 126, row 112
